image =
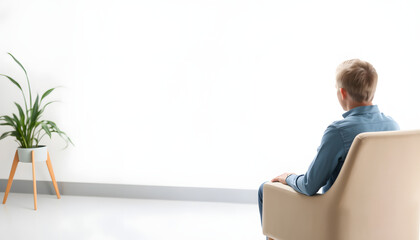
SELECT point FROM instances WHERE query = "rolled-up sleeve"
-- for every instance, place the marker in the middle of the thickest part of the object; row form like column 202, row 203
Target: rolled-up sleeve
column 322, row 167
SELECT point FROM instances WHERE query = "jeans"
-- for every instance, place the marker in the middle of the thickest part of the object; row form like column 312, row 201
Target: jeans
column 260, row 200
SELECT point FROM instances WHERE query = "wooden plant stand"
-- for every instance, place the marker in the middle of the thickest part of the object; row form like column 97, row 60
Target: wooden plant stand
column 12, row 174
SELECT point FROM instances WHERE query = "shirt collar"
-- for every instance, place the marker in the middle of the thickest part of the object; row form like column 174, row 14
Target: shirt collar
column 361, row 110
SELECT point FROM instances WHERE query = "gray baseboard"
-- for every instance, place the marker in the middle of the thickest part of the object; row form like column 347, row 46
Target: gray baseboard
column 136, row 191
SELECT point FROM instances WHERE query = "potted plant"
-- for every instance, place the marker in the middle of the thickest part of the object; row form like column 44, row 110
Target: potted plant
column 27, row 125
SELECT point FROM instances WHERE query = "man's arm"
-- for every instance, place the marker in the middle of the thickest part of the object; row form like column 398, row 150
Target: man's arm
column 329, row 153
column 282, row 178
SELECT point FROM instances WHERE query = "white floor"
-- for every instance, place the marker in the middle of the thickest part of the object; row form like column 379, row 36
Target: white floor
column 74, row 217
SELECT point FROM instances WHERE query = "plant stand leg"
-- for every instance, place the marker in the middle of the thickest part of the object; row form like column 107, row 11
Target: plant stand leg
column 34, row 179
column 50, row 169
column 12, row 174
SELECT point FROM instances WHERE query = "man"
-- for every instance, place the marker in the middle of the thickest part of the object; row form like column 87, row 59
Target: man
column 356, row 82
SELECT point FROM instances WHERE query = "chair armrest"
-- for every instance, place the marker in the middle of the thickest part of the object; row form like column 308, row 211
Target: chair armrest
column 288, row 214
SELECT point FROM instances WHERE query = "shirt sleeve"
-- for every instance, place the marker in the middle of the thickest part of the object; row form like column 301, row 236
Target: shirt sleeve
column 322, row 167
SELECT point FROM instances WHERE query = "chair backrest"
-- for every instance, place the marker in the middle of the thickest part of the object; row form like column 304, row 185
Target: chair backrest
column 377, row 193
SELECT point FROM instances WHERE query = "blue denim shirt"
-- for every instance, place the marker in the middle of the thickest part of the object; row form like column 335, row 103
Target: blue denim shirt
column 335, row 145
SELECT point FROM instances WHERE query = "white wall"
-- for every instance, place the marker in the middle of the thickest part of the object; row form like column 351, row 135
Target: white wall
column 211, row 93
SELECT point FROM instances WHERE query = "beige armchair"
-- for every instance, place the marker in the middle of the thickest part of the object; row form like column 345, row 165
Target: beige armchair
column 375, row 197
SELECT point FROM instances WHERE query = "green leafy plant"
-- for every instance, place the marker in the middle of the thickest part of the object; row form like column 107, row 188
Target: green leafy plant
column 28, row 128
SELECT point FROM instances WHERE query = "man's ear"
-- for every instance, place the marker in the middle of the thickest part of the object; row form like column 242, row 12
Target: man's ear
column 343, row 93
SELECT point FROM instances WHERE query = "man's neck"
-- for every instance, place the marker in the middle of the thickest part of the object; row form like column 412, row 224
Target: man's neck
column 358, row 104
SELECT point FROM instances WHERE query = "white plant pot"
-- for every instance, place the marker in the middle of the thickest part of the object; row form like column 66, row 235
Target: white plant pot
column 40, row 154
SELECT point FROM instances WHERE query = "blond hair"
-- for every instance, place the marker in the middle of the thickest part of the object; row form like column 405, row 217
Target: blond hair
column 359, row 78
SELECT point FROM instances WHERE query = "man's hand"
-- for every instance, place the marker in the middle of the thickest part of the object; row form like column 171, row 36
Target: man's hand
column 281, row 178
